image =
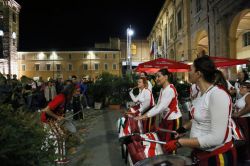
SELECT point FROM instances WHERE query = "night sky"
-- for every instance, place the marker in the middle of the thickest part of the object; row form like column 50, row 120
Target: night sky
column 76, row 24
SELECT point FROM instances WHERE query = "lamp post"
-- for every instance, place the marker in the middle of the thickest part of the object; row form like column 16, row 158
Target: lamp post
column 53, row 58
column 130, row 33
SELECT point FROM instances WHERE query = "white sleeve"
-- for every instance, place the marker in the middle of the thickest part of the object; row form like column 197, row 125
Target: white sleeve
column 145, row 100
column 166, row 98
column 150, row 86
column 135, row 99
column 219, row 111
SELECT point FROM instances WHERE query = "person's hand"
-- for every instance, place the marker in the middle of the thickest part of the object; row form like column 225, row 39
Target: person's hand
column 129, row 114
column 141, row 117
column 235, row 115
column 172, row 146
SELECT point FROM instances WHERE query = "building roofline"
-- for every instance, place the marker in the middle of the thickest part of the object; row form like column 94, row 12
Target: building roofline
column 12, row 3
column 163, row 9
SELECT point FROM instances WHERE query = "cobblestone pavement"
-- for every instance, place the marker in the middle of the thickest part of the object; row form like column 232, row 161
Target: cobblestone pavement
column 100, row 147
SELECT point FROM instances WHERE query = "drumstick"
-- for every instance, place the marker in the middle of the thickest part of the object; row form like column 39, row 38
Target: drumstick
column 167, row 131
column 155, row 141
column 67, row 118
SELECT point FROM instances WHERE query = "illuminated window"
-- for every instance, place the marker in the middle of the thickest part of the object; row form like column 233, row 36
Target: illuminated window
column 48, row 67
column 14, row 42
column 58, row 67
column 85, row 56
column 171, row 30
column 37, row 66
column 106, row 66
column 85, row 66
column 133, row 49
column 23, row 57
column 114, row 66
column 96, row 66
column 14, row 17
column 113, row 56
column 106, row 56
column 179, row 19
column 246, row 39
column 23, row 67
column 70, row 67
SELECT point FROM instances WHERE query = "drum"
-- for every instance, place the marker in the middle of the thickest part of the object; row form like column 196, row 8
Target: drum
column 166, row 160
column 68, row 126
column 138, row 150
column 237, row 134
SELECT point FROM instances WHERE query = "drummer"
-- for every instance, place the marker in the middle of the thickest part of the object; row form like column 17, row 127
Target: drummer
column 167, row 106
column 54, row 113
column 210, row 134
column 145, row 101
column 242, row 115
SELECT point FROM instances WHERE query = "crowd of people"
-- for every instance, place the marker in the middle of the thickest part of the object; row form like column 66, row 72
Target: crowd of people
column 216, row 105
column 52, row 98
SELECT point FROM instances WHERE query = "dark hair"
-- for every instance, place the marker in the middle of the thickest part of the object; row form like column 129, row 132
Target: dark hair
column 247, row 84
column 165, row 72
column 220, row 80
column 68, row 89
column 74, row 77
column 207, row 67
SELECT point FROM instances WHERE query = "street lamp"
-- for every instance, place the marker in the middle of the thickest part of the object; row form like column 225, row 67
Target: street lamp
column 54, row 56
column 130, row 33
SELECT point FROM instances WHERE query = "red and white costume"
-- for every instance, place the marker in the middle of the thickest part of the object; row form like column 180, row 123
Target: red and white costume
column 244, row 123
column 167, row 106
column 211, row 123
column 144, row 100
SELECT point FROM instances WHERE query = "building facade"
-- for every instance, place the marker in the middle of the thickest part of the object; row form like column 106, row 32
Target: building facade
column 139, row 51
column 105, row 57
column 9, row 34
column 185, row 29
column 64, row 64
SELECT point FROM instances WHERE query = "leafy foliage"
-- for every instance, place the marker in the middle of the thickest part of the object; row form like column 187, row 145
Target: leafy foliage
column 22, row 137
column 111, row 87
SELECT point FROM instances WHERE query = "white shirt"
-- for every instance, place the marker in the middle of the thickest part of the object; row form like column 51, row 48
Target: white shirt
column 237, row 88
column 150, row 86
column 144, row 99
column 211, row 118
column 241, row 103
column 167, row 102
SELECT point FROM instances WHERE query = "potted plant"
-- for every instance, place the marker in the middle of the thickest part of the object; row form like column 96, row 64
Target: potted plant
column 115, row 103
column 101, row 89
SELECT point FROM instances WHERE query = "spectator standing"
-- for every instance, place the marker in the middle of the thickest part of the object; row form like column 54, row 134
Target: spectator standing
column 49, row 92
